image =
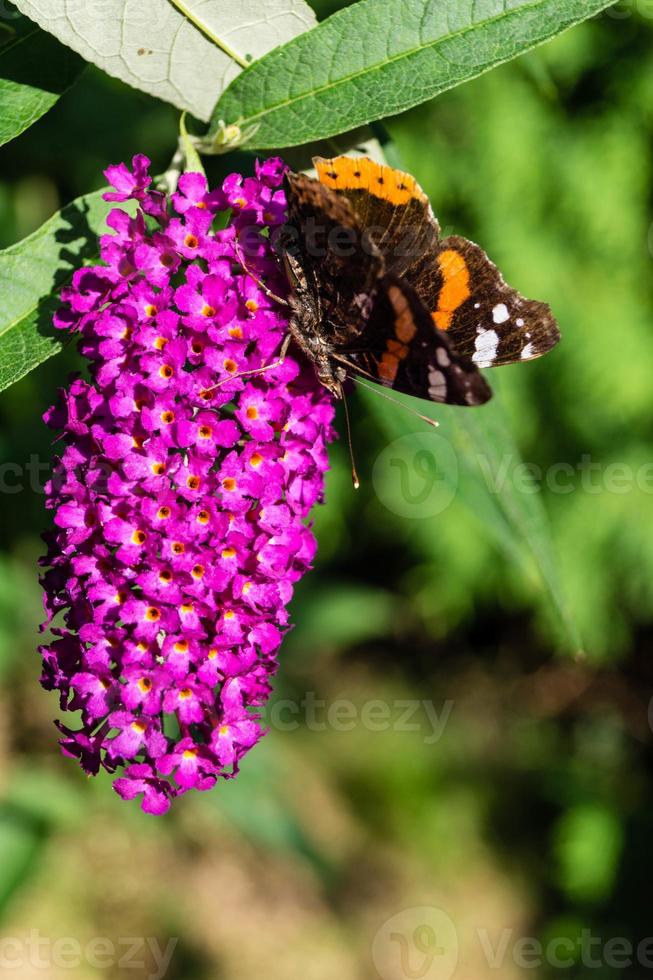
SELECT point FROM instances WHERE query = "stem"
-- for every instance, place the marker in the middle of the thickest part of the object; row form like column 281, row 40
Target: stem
column 180, row 5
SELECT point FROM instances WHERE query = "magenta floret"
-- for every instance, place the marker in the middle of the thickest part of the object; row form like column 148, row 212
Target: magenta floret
column 179, row 507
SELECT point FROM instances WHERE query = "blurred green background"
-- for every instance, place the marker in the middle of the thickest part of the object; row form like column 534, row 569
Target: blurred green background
column 517, row 799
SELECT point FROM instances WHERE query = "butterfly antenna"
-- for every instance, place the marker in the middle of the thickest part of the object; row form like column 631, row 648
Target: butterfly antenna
column 354, row 473
column 395, row 401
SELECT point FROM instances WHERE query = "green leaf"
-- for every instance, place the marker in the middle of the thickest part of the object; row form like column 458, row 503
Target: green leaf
column 182, row 51
column 380, row 57
column 31, row 271
column 35, row 71
column 474, row 459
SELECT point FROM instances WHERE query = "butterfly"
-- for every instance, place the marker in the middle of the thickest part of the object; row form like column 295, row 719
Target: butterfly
column 376, row 292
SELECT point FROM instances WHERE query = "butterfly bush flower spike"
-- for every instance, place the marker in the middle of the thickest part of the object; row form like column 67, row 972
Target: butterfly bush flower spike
column 182, row 489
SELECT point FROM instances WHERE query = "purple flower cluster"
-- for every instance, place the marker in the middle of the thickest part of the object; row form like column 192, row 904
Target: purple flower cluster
column 181, row 493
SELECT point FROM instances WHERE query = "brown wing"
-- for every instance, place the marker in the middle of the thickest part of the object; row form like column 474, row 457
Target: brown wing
column 325, row 242
column 391, row 206
column 399, row 349
column 485, row 319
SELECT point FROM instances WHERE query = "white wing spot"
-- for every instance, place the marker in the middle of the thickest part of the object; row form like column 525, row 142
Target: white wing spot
column 477, row 306
column 527, row 352
column 437, row 383
column 442, row 357
column 487, row 342
column 500, row 313
column 519, row 322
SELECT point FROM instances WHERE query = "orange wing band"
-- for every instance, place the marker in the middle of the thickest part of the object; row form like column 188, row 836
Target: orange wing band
column 455, row 287
column 361, row 173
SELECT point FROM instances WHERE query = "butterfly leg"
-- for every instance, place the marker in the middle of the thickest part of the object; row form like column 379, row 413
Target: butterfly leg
column 256, row 371
column 268, row 292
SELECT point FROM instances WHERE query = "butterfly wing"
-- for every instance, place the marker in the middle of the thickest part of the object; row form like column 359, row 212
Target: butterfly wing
column 391, row 207
column 332, row 268
column 485, row 319
column 398, row 348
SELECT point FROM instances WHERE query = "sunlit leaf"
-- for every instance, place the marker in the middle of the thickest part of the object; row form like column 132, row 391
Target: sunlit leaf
column 380, row 57
column 184, row 52
column 31, row 271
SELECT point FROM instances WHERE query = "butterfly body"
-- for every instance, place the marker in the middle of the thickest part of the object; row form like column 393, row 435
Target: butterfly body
column 309, row 329
column 376, row 292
